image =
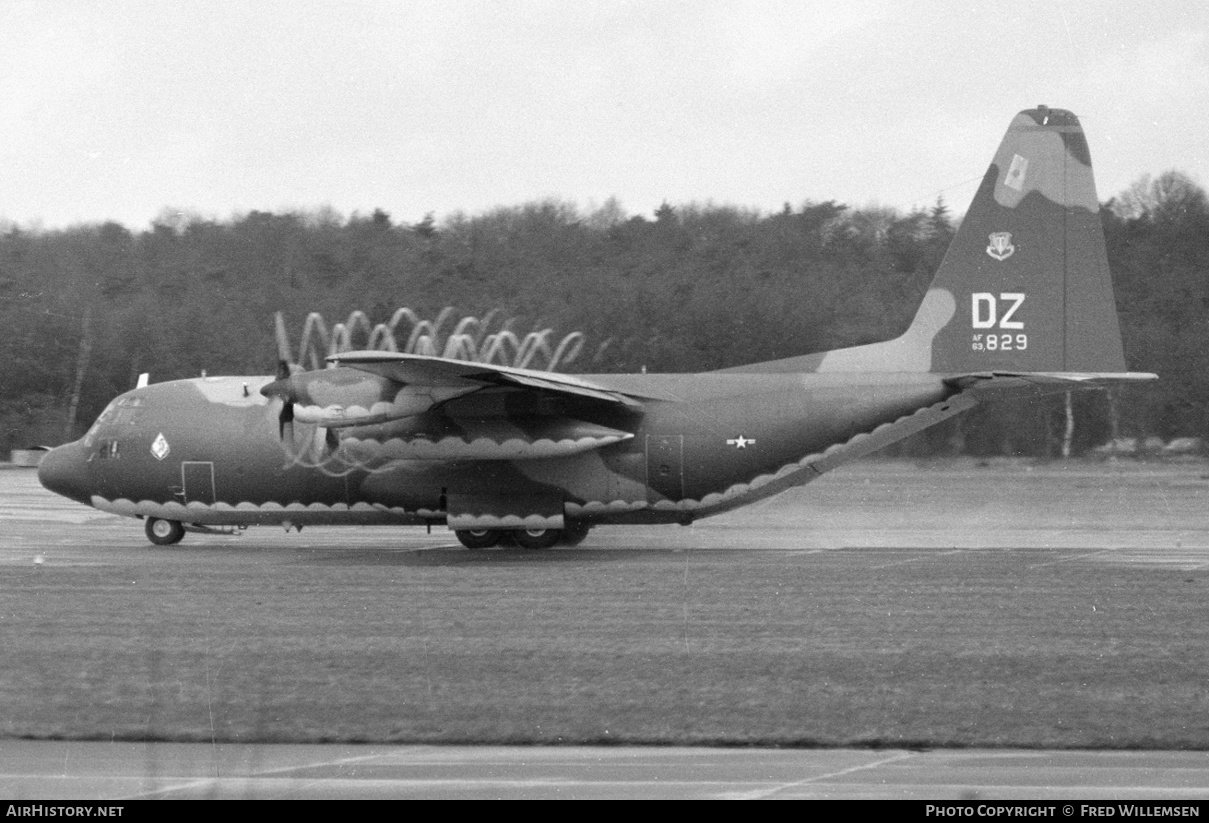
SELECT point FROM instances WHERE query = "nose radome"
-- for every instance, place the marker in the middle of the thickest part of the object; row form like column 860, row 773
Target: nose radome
column 64, row 471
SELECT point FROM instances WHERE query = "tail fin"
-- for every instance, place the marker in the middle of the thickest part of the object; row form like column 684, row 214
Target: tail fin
column 1027, row 270
column 1024, row 286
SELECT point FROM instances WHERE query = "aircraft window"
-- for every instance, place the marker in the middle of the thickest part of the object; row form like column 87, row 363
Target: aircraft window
column 101, row 420
column 107, row 450
column 103, row 416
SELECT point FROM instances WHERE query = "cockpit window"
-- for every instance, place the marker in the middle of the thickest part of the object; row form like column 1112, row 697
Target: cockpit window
column 118, row 415
column 125, row 415
column 101, row 420
column 128, row 408
column 107, row 449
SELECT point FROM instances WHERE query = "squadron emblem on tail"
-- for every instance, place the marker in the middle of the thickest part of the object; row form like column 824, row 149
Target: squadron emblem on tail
column 1000, row 246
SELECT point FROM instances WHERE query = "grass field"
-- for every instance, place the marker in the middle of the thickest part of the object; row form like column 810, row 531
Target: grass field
column 1059, row 607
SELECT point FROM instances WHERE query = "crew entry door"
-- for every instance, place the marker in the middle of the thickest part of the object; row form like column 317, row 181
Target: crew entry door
column 198, row 482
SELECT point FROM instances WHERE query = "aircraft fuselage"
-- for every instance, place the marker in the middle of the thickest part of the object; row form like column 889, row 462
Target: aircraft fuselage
column 214, row 451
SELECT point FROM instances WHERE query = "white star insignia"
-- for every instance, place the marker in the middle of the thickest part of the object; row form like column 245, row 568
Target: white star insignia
column 740, row 442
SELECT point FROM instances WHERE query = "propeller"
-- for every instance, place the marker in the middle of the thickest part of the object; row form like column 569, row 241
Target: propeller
column 286, row 388
column 281, row 387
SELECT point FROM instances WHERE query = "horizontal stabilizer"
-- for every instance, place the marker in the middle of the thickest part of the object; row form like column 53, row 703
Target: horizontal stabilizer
column 1046, row 382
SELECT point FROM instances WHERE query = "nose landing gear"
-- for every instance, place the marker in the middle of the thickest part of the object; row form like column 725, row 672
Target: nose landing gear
column 163, row 532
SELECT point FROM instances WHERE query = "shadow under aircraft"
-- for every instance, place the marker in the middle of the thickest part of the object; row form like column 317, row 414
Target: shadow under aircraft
column 1021, row 305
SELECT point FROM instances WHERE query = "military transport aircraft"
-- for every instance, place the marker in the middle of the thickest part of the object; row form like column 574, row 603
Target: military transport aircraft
column 1021, row 305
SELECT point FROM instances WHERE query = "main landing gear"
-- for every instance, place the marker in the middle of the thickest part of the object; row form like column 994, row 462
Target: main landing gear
column 572, row 535
column 163, row 532
column 537, row 538
column 479, row 538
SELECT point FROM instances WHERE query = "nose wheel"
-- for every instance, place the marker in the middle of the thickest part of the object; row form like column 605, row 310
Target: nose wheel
column 163, row 532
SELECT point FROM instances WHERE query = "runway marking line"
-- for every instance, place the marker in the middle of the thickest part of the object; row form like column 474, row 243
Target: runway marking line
column 276, row 773
column 928, row 556
column 1073, row 558
column 763, row 793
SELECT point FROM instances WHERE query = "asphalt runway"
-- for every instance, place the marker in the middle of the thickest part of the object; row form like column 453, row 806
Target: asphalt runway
column 871, row 518
column 130, row 771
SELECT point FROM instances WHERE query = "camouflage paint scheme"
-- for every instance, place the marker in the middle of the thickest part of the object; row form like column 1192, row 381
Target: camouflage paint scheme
column 1022, row 304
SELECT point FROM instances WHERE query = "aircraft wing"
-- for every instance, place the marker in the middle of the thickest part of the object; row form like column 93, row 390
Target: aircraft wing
column 373, row 387
column 421, row 370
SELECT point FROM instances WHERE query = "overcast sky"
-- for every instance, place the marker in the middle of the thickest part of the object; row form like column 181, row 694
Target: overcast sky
column 119, row 110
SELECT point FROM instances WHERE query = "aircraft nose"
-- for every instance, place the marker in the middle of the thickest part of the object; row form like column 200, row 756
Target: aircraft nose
column 63, row 470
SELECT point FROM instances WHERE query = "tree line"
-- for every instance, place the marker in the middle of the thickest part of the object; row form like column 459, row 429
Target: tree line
column 693, row 287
